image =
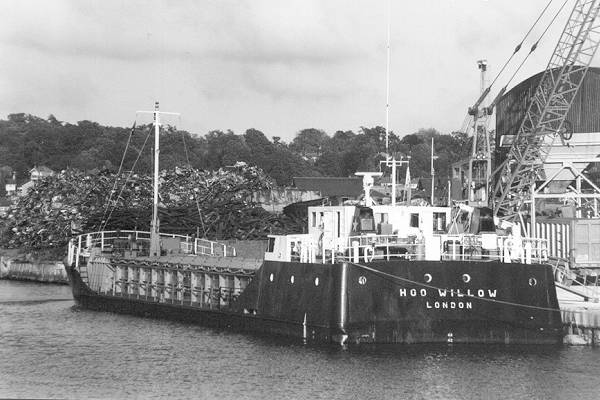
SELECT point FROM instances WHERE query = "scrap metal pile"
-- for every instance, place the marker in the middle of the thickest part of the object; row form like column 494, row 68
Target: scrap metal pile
column 212, row 204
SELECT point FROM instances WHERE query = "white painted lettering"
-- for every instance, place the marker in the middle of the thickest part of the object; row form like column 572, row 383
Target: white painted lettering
column 469, row 293
column 402, row 292
column 437, row 304
column 461, row 305
column 442, row 292
column 428, row 305
column 452, row 304
column 413, row 292
column 481, row 293
column 444, row 304
column 492, row 293
column 423, row 292
column 469, row 305
column 459, row 294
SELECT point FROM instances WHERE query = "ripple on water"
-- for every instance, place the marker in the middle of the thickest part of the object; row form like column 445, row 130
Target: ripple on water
column 55, row 350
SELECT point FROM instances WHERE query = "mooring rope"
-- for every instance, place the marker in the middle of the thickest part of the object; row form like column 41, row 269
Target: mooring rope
column 510, row 303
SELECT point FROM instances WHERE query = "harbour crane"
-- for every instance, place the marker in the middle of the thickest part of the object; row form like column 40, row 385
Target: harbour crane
column 544, row 119
column 480, row 161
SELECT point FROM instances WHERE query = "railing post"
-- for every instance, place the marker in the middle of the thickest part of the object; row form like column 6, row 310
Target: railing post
column 78, row 252
column 212, row 248
column 102, row 241
column 70, row 252
column 355, row 251
column 527, row 249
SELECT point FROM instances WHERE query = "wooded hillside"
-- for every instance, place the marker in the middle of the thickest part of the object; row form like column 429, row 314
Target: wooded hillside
column 27, row 140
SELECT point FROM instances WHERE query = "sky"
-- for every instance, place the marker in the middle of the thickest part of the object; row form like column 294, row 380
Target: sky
column 278, row 66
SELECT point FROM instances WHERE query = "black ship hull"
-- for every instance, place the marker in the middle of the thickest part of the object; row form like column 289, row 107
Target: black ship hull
column 379, row 302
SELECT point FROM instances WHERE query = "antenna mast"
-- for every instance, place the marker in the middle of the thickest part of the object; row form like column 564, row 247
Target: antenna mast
column 390, row 161
column 387, row 92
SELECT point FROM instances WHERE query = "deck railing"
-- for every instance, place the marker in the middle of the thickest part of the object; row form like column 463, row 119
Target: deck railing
column 462, row 247
column 138, row 243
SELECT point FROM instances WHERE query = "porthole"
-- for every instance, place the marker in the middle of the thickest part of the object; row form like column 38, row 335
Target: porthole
column 271, row 277
column 532, row 282
column 428, row 278
column 466, row 278
column 317, row 281
column 292, row 279
column 362, row 280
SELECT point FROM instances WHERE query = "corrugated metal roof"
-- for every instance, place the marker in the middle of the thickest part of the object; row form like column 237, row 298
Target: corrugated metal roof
column 583, row 114
column 330, row 186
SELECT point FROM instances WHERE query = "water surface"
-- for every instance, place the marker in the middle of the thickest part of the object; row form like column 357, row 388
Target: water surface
column 49, row 348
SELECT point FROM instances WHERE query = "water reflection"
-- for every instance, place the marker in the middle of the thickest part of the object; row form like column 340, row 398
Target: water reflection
column 54, row 349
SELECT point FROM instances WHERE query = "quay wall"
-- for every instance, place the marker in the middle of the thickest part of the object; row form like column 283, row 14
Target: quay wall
column 36, row 271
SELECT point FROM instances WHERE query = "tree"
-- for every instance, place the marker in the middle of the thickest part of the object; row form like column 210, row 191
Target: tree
column 309, row 142
column 224, row 149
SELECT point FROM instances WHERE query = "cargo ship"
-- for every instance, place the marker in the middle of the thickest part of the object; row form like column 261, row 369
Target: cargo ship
column 365, row 272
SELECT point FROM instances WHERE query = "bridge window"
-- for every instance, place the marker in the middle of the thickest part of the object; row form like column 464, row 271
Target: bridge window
column 271, row 245
column 414, row 220
column 439, row 221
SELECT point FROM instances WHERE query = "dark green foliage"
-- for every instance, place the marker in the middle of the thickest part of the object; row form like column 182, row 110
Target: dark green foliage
column 72, row 201
column 26, row 141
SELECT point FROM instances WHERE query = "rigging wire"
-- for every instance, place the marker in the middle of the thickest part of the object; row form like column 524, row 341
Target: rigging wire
column 114, row 188
column 185, row 148
column 105, row 222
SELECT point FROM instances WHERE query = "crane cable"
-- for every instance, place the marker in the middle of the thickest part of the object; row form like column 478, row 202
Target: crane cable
column 467, row 121
column 534, row 47
column 518, row 47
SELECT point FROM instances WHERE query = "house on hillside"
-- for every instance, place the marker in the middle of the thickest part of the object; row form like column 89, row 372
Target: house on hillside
column 10, row 185
column 37, row 173
column 4, row 206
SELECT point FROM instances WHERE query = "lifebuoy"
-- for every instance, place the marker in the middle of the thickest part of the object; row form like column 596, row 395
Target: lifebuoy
column 368, row 254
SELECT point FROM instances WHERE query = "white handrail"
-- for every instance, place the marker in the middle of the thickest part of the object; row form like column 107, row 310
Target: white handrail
column 81, row 245
column 465, row 247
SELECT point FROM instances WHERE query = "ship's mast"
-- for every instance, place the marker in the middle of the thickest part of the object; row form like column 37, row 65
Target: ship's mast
column 155, row 224
column 154, row 227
